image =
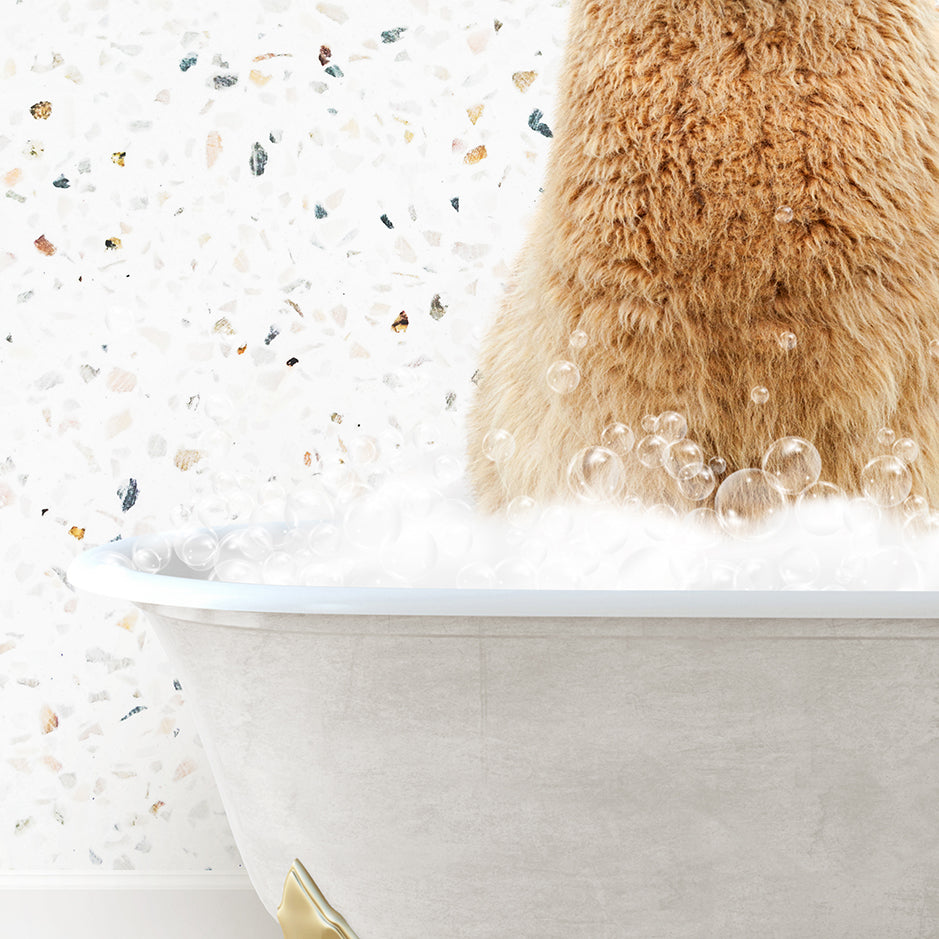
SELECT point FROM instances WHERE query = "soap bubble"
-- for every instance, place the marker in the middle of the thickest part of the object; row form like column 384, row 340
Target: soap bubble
column 886, row 437
column 718, row 465
column 755, row 574
column 324, row 539
column 748, row 504
column 862, row 517
column 447, row 469
column 237, row 571
column 426, row 436
column 650, row 451
column 371, row 521
column 787, row 341
column 198, row 549
column 657, row 521
column 253, row 543
column 578, row 339
column 563, row 377
column 671, row 425
column 522, row 512
column 498, row 445
column 784, row 214
column 648, row 423
column 916, row 507
column 886, row 481
column 680, row 454
column 152, row 553
column 516, row 573
column 413, row 556
column 596, row 474
column 309, row 502
column 556, row 523
column 696, row 481
column 319, row 574
column 619, row 438
column 117, row 559
column 820, row 509
column 792, row 464
column 906, row 449
column 476, row 575
column 759, row 394
column 279, row 567
column 799, row 567
column 213, row 511
column 271, row 510
column 934, row 348
column 363, row 449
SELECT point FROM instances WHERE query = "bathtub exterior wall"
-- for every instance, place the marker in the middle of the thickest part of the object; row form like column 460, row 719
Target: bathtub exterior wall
column 538, row 778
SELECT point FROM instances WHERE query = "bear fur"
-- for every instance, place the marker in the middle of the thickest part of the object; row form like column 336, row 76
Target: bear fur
column 683, row 129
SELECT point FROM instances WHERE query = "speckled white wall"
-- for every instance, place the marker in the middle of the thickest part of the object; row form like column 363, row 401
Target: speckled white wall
column 212, row 216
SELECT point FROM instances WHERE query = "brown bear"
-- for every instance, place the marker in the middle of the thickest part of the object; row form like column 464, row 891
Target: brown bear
column 741, row 212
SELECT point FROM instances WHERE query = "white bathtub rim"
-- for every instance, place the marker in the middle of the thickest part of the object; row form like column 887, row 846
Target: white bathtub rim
column 89, row 573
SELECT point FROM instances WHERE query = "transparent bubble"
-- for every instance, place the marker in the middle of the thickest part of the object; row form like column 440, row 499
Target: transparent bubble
column 252, row 543
column 117, row 559
column 696, row 482
column 787, row 341
column 198, row 549
column 152, row 553
column 916, row 507
column 213, row 511
column 522, row 512
column 886, row 481
column 792, row 464
column 238, row 571
column 556, row 523
column 671, row 425
column 650, row 451
column 619, row 438
column 718, row 465
column 324, row 539
column 447, row 469
column 755, row 574
column 270, row 510
column 934, row 348
column 648, row 423
column 596, row 474
column 861, row 516
column 906, row 449
column 658, row 521
column 680, row 454
column 563, row 377
column 886, row 437
column 476, row 576
column 427, row 437
column 371, row 521
column 181, row 515
column 319, row 574
column 309, row 503
column 799, row 567
column 279, row 567
column 784, row 214
column 578, row 339
column 498, row 445
column 413, row 556
column 759, row 394
column 516, row 573
column 225, row 484
column 748, row 504
column 705, row 527
column 820, row 508
column 363, row 450
column 271, row 490
column 894, row 568
column 241, row 504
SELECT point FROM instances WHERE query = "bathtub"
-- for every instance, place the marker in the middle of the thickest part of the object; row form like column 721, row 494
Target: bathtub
column 466, row 764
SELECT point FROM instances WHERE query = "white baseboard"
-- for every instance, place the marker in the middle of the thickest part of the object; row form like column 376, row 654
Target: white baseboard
column 118, row 904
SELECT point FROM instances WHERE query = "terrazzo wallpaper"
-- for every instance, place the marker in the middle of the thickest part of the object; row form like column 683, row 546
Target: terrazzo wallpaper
column 236, row 241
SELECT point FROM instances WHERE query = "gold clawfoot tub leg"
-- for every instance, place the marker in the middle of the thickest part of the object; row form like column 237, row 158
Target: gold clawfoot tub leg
column 304, row 913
